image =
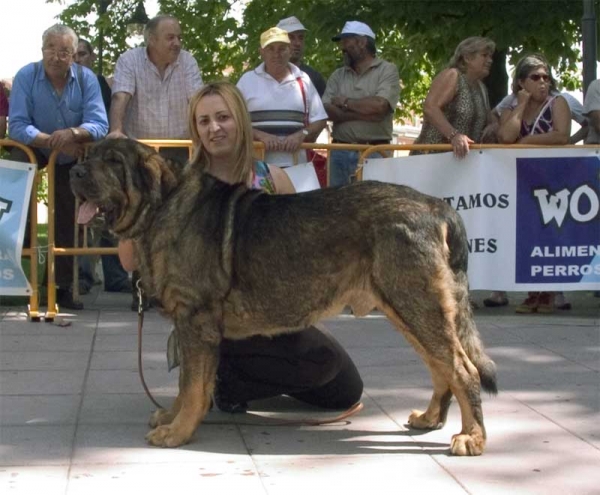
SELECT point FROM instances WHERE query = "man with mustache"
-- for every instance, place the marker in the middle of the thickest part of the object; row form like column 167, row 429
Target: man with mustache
column 151, row 90
column 360, row 99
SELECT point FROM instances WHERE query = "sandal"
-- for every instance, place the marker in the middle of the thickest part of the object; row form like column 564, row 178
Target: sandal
column 560, row 302
column 496, row 300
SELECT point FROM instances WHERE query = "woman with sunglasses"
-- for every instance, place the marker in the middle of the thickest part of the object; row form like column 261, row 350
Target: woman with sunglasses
column 537, row 116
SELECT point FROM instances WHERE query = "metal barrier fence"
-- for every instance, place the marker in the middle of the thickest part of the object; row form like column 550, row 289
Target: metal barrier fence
column 75, row 251
column 32, row 250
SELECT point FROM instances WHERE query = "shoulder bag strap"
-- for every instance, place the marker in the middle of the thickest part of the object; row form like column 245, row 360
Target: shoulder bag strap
column 301, row 84
column 548, row 102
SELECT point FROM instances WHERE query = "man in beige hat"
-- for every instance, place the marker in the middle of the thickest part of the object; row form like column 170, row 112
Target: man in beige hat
column 360, row 98
column 297, row 32
column 284, row 105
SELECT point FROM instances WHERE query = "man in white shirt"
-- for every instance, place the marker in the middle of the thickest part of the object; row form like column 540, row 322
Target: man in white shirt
column 591, row 109
column 284, row 105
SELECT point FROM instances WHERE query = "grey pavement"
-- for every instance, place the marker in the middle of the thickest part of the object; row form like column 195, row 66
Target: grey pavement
column 73, row 414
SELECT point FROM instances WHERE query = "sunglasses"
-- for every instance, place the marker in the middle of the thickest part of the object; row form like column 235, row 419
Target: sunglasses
column 537, row 77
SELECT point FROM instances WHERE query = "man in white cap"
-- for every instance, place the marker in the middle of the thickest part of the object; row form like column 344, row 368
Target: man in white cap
column 297, row 32
column 360, row 99
column 284, row 105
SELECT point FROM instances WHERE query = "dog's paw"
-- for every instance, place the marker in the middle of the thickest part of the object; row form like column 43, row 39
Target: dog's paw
column 420, row 421
column 463, row 444
column 161, row 417
column 166, row 436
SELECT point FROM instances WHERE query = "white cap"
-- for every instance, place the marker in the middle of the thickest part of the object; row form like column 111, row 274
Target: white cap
column 291, row 24
column 354, row 28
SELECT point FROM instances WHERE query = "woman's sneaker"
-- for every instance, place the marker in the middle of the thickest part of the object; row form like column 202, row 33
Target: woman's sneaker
column 546, row 303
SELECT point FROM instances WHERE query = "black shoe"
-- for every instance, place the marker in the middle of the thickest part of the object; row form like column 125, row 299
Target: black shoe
column 229, row 407
column 124, row 287
column 64, row 299
column 225, row 375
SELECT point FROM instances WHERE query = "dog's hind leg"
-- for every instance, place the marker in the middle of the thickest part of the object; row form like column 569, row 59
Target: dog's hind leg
column 435, row 416
column 431, row 330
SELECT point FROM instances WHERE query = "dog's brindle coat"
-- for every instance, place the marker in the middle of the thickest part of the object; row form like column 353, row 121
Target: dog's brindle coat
column 226, row 261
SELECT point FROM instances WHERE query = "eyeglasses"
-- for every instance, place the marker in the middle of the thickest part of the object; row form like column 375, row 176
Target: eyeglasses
column 537, row 77
column 60, row 54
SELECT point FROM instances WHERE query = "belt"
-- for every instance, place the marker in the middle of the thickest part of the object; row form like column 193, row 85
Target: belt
column 372, row 143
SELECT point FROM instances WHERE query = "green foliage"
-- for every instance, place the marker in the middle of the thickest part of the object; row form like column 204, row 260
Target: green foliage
column 419, row 36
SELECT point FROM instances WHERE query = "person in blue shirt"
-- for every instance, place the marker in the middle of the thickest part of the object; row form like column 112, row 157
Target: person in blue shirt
column 56, row 104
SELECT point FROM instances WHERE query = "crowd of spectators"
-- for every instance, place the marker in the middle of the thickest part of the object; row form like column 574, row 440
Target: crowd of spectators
column 59, row 103
column 157, row 92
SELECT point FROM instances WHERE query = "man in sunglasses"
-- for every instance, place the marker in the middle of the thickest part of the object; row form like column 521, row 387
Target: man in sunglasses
column 57, row 105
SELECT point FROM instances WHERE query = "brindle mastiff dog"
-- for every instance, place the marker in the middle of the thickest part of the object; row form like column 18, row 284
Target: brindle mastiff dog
column 226, row 261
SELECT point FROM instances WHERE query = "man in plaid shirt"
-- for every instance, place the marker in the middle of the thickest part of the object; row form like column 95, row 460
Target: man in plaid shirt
column 151, row 90
column 152, row 87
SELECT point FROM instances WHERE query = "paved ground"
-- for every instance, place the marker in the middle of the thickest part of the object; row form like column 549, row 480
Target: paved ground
column 73, row 414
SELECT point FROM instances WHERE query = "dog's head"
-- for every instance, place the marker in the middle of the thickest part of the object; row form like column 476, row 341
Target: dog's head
column 123, row 180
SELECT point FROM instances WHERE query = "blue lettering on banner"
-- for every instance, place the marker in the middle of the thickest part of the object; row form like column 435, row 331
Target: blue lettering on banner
column 5, row 206
column 558, row 220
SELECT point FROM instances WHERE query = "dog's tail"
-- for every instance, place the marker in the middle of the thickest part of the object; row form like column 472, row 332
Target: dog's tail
column 471, row 342
column 457, row 242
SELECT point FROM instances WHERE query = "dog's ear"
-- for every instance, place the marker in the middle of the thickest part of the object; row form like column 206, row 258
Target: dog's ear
column 113, row 155
column 155, row 171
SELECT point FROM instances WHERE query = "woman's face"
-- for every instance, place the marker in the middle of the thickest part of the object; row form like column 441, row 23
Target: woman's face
column 537, row 83
column 216, row 126
column 480, row 63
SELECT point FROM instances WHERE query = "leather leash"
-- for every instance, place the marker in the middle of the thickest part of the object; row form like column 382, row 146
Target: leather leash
column 140, row 292
column 273, row 421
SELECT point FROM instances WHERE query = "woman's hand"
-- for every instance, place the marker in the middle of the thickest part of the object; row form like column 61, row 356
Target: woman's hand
column 460, row 145
column 523, row 97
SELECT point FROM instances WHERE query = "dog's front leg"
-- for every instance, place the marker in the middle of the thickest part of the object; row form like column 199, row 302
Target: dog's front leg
column 198, row 369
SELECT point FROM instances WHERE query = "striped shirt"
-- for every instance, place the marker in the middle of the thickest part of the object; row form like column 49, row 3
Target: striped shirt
column 158, row 108
column 278, row 107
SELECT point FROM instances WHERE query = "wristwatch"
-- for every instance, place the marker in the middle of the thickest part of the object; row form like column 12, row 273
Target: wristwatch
column 345, row 106
column 305, row 132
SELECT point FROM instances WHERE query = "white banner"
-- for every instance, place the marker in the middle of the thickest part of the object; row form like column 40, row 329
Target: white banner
column 532, row 215
column 16, row 180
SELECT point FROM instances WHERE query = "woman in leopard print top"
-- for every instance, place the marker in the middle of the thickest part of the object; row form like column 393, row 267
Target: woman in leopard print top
column 456, row 109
